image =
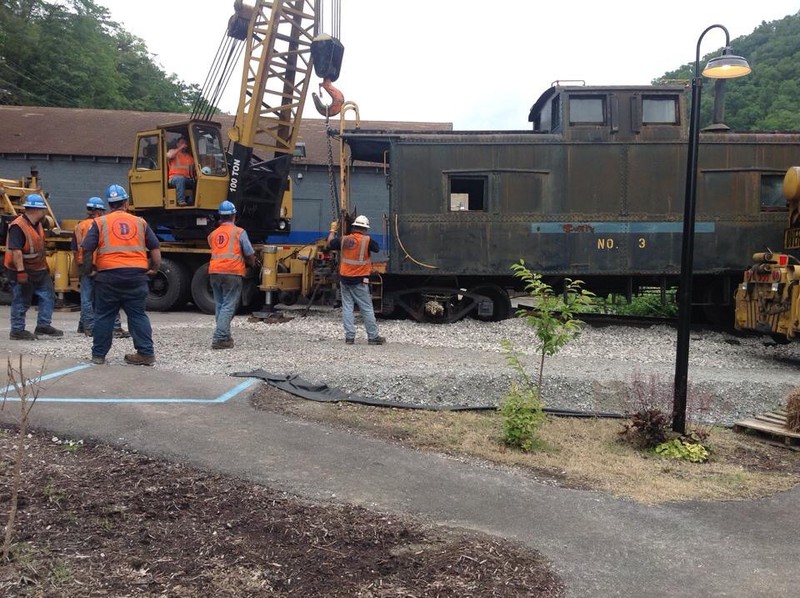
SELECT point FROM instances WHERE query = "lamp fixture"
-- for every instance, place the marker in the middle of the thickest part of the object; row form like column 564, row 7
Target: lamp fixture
column 727, row 66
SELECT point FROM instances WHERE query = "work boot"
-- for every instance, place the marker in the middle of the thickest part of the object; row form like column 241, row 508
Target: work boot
column 88, row 332
column 22, row 335
column 223, row 344
column 48, row 331
column 378, row 340
column 139, row 359
column 96, row 359
column 121, row 333
column 349, row 341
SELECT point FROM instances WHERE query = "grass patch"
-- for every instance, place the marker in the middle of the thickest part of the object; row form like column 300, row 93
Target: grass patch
column 575, row 453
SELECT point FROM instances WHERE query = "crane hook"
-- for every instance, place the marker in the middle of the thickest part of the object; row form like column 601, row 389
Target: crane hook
column 337, row 99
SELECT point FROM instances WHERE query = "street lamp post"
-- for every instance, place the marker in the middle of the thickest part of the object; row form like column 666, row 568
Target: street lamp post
column 726, row 66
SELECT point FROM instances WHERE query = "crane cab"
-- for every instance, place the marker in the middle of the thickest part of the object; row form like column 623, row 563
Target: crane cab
column 154, row 198
column 264, row 201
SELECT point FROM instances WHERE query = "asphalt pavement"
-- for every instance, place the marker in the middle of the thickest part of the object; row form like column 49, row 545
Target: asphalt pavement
column 601, row 545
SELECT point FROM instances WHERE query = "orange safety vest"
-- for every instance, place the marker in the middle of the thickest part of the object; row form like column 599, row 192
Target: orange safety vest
column 181, row 165
column 80, row 234
column 354, row 255
column 33, row 252
column 121, row 242
column 226, row 250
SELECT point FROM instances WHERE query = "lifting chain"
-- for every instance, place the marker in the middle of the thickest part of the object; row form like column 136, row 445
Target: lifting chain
column 335, row 212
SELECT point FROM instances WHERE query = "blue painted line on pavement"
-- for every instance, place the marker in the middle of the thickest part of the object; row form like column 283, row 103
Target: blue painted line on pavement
column 57, row 374
column 220, row 399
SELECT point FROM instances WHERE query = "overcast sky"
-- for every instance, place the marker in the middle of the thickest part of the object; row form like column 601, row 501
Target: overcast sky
column 479, row 65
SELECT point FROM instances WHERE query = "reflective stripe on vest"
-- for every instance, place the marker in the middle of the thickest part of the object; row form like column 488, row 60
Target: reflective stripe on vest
column 33, row 252
column 181, row 165
column 226, row 250
column 80, row 234
column 121, row 242
column 354, row 255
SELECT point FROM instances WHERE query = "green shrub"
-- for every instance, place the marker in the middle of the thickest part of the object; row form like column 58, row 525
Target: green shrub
column 649, row 305
column 522, row 415
column 678, row 448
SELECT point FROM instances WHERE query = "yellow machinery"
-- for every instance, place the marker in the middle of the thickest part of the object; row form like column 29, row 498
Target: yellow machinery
column 283, row 44
column 253, row 174
column 768, row 299
column 59, row 256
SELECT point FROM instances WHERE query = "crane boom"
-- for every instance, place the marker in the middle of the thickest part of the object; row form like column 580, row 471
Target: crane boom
column 275, row 78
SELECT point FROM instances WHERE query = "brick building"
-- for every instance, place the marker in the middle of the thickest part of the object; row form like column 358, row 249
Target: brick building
column 79, row 152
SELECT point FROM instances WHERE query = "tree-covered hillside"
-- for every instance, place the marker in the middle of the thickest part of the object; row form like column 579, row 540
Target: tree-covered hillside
column 768, row 99
column 69, row 53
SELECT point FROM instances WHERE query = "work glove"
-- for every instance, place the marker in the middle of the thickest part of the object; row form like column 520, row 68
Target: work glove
column 22, row 277
column 334, row 226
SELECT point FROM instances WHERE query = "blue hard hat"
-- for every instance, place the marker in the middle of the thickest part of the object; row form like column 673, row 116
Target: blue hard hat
column 34, row 200
column 226, row 208
column 95, row 203
column 116, row 193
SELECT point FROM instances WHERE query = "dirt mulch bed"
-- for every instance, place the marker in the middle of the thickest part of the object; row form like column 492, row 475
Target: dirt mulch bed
column 98, row 521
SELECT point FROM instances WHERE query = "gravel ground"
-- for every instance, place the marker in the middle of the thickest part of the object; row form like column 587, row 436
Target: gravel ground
column 462, row 363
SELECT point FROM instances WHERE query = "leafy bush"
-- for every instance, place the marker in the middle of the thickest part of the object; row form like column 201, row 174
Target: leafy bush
column 679, row 448
column 646, row 428
column 649, row 405
column 649, row 305
column 522, row 415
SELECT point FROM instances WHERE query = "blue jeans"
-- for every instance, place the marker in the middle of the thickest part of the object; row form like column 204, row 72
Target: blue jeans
column 39, row 284
column 352, row 294
column 227, row 291
column 87, row 305
column 179, row 182
column 108, row 300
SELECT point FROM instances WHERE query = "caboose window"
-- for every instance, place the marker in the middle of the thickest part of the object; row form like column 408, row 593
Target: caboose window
column 772, row 199
column 660, row 111
column 587, row 110
column 467, row 193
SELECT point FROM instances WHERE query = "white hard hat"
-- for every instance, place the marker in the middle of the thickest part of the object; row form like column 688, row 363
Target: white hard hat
column 361, row 221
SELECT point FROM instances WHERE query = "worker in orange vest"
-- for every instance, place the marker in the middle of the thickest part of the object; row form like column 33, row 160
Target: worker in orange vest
column 116, row 248
column 355, row 266
column 180, row 169
column 231, row 253
column 94, row 209
column 26, row 268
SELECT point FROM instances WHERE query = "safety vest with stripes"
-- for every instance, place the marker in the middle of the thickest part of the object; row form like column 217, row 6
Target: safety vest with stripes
column 226, row 250
column 181, row 165
column 33, row 252
column 354, row 255
column 121, row 242
column 80, row 234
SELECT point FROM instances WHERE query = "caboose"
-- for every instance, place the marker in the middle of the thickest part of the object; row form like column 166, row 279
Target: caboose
column 594, row 191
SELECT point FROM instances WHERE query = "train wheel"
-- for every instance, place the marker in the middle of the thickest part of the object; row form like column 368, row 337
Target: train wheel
column 501, row 303
column 430, row 305
column 169, row 288
column 202, row 295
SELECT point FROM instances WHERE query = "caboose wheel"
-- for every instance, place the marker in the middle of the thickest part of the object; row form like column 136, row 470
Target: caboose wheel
column 501, row 304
